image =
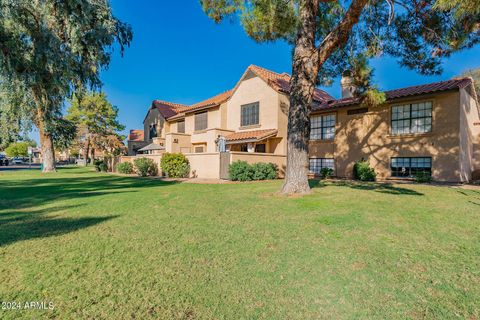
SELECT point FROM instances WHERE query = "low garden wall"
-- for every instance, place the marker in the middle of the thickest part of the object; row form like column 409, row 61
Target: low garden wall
column 204, row 165
column 207, row 165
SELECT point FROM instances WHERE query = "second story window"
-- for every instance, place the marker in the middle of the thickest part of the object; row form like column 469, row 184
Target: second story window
column 412, row 118
column 181, row 126
column 201, row 121
column 249, row 114
column 322, row 127
column 153, row 131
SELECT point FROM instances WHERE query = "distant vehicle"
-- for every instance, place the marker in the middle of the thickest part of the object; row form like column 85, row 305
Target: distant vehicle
column 3, row 160
column 17, row 160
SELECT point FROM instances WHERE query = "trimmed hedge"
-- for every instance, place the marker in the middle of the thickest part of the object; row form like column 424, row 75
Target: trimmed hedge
column 145, row 167
column 242, row 171
column 175, row 165
column 125, row 168
column 363, row 172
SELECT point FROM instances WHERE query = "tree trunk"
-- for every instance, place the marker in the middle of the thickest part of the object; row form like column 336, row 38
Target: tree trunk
column 307, row 61
column 86, row 150
column 46, row 141
column 302, row 84
column 48, row 151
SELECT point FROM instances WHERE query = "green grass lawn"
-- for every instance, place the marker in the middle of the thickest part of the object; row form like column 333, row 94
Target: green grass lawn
column 102, row 246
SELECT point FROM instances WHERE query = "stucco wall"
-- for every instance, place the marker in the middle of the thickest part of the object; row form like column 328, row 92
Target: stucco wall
column 368, row 136
column 178, row 142
column 204, row 165
column 469, row 136
column 208, row 137
column 249, row 91
column 135, row 145
column 154, row 116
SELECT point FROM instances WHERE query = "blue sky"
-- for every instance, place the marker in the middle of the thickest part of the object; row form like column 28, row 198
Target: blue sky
column 180, row 55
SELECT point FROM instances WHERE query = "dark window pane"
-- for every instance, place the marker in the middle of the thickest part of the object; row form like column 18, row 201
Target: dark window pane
column 181, row 127
column 249, row 114
column 201, row 121
column 317, row 164
column 322, row 127
column 409, row 167
column 260, row 148
column 412, row 118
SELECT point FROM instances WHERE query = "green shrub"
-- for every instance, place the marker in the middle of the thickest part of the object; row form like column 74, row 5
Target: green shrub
column 125, row 168
column 175, row 165
column 326, row 173
column 264, row 171
column 363, row 172
column 423, row 177
column 97, row 164
column 103, row 167
column 145, row 167
column 240, row 171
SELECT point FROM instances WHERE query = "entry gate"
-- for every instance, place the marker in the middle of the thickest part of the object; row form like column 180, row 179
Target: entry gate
column 224, row 164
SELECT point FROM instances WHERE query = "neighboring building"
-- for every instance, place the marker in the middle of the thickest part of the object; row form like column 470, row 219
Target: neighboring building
column 433, row 127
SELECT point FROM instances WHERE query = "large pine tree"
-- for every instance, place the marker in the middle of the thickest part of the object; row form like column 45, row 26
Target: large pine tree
column 328, row 36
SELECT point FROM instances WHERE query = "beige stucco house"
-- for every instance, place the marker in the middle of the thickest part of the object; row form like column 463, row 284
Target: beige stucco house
column 433, row 127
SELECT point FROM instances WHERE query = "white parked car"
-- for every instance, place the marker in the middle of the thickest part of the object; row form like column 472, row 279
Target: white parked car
column 17, row 160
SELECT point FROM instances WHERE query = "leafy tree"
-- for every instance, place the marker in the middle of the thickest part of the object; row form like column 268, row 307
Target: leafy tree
column 329, row 36
column 96, row 119
column 47, row 49
column 17, row 149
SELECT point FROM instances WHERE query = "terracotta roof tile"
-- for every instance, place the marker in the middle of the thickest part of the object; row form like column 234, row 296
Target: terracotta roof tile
column 457, row 83
column 167, row 109
column 250, row 135
column 281, row 82
column 135, row 135
column 210, row 102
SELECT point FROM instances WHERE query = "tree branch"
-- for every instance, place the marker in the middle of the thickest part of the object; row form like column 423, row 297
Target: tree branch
column 340, row 34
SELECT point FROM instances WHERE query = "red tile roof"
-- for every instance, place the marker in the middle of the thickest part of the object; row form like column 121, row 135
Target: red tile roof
column 167, row 109
column 457, row 83
column 135, row 135
column 210, row 102
column 281, row 82
column 255, row 135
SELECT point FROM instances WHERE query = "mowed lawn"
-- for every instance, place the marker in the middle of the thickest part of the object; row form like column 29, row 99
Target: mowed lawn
column 101, row 246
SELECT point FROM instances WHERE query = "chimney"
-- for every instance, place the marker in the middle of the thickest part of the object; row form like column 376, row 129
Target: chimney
column 348, row 88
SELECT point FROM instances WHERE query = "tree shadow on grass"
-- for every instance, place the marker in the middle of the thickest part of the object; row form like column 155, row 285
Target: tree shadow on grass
column 42, row 227
column 26, row 204
column 29, row 193
column 387, row 188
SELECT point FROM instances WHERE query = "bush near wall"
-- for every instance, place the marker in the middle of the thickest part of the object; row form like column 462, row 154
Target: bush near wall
column 100, row 166
column 125, row 168
column 175, row 165
column 363, row 172
column 145, row 167
column 242, row 171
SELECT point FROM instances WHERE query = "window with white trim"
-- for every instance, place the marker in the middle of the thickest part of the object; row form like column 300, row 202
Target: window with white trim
column 322, row 127
column 317, row 164
column 412, row 118
column 410, row 166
